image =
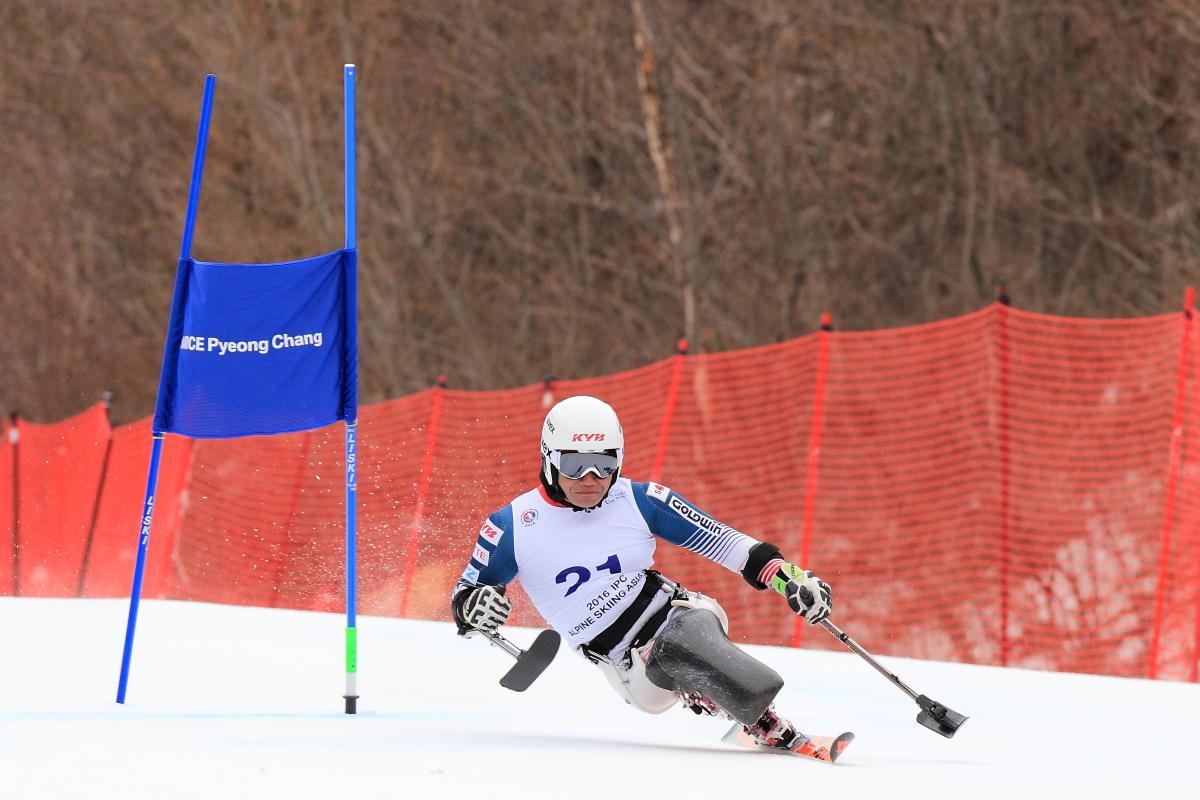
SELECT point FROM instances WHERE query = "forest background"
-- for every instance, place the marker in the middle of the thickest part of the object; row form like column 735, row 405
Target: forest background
column 566, row 188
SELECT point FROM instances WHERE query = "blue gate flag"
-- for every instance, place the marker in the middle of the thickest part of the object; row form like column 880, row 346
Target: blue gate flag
column 255, row 349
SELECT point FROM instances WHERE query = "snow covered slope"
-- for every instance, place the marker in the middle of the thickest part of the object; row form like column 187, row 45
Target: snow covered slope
column 229, row 702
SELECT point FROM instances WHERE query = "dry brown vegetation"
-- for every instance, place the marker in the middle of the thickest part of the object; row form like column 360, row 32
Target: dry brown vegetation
column 566, row 187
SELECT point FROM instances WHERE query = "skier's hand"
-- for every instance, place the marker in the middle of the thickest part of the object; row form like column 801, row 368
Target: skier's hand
column 806, row 594
column 485, row 608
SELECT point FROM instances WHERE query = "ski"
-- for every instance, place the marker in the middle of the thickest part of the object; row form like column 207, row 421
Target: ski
column 820, row 748
column 532, row 662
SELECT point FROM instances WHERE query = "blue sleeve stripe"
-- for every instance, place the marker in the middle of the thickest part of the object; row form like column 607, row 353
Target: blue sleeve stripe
column 721, row 548
column 699, row 542
column 730, row 543
column 727, row 543
column 716, row 547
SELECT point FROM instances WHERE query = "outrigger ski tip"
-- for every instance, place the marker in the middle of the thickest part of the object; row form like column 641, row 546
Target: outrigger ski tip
column 530, row 663
column 938, row 718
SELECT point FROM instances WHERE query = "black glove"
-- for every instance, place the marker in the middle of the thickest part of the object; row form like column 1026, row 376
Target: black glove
column 484, row 608
column 806, row 594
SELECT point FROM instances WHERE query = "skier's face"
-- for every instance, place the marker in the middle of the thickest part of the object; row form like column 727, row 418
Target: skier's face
column 586, row 491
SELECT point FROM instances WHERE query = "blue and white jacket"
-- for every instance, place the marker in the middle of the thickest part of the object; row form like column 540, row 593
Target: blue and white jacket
column 582, row 569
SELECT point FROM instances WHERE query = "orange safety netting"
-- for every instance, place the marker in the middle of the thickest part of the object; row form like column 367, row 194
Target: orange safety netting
column 1001, row 488
column 69, row 514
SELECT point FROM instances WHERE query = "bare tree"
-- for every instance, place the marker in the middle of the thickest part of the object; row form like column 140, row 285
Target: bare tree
column 566, row 187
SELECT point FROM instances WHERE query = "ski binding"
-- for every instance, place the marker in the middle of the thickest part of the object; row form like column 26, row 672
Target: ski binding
column 820, row 748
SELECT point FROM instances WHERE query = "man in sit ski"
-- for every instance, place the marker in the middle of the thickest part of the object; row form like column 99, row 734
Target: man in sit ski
column 583, row 542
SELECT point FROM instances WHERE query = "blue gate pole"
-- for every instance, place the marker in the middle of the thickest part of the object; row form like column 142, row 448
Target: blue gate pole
column 185, row 251
column 140, row 567
column 351, row 696
column 351, row 168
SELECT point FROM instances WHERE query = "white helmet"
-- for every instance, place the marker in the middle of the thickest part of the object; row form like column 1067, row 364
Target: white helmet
column 581, row 434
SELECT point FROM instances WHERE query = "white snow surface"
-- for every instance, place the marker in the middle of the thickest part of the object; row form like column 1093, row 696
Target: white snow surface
column 231, row 702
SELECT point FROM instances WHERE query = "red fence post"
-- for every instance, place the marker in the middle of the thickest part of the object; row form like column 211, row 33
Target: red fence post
column 664, row 430
column 814, row 455
column 1164, row 554
column 1194, row 675
column 14, row 437
column 1003, row 433
column 414, row 531
column 106, row 399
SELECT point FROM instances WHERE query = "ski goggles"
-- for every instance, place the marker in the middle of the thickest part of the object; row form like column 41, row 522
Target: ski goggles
column 575, row 465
